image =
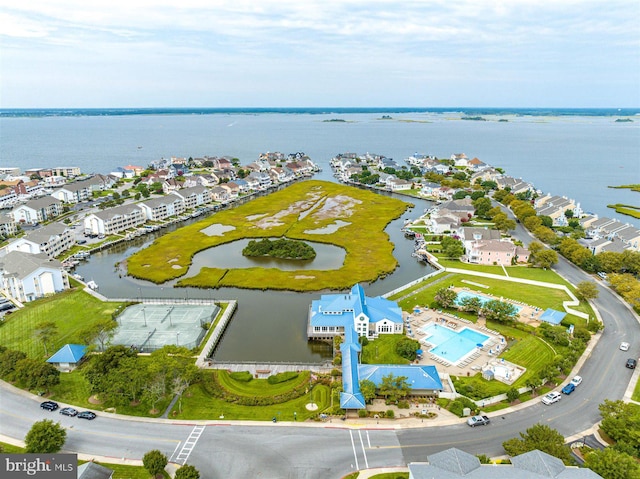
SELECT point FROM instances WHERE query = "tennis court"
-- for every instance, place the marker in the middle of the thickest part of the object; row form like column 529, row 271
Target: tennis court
column 149, row 327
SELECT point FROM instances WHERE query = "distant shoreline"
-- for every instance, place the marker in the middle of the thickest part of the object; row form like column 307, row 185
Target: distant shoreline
column 466, row 111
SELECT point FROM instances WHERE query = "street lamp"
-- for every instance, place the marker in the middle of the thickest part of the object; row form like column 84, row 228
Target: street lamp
column 178, row 338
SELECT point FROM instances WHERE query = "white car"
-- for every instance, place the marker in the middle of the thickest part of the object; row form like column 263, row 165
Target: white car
column 624, row 346
column 576, row 381
column 551, row 398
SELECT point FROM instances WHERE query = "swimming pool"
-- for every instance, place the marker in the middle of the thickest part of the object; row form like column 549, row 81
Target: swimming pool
column 452, row 345
column 483, row 299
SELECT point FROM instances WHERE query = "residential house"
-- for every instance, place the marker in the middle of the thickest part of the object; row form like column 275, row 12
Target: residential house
column 37, row 210
column 496, row 252
column 26, row 277
column 68, row 171
column 280, row 175
column 397, row 184
column 194, row 196
column 453, row 463
column 8, row 227
column 460, row 160
column 232, row 188
column 252, row 183
column 170, row 185
column 220, row 194
column 114, row 220
column 54, row 181
column 122, row 172
column 630, row 236
column 430, row 190
column 9, row 170
column 52, row 240
column 368, row 316
column 264, row 181
column 8, row 198
column 443, row 224
column 75, row 192
column 475, row 164
column 157, row 209
column 39, row 172
column 485, row 174
column 469, row 235
column 243, row 186
column 135, row 168
column 209, row 179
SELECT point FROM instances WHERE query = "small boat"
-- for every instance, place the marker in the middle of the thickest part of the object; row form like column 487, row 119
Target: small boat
column 92, row 285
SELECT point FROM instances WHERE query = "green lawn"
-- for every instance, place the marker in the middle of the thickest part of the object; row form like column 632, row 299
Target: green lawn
column 294, row 212
column 636, row 392
column 260, row 387
column 72, row 311
column 198, row 404
column 383, row 350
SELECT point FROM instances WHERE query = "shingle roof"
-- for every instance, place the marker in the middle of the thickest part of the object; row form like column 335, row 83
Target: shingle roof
column 22, row 264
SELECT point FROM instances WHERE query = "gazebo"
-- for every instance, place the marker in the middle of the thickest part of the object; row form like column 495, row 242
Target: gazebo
column 68, row 357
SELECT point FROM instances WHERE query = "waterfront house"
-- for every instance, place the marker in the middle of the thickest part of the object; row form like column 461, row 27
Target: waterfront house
column 194, row 197
column 630, row 236
column 122, row 172
column 442, row 224
column 68, row 171
column 460, row 159
column 469, row 235
column 209, row 179
column 370, row 317
column 220, row 194
column 475, row 164
column 37, row 210
column 157, row 209
column 243, row 186
column 114, row 220
column 26, row 277
column 397, row 184
column 485, row 174
column 264, row 181
column 233, row 190
column 52, row 240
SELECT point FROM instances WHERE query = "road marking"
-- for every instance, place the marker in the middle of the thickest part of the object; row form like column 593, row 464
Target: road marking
column 364, row 453
column 190, row 444
column 368, row 440
column 175, row 450
column 353, row 446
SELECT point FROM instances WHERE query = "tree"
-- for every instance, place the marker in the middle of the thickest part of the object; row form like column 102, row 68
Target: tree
column 503, row 223
column 154, row 462
column 499, row 311
column 37, row 375
column 545, row 234
column 452, row 247
column 407, row 348
column 482, row 205
column 368, row 390
column 445, row 297
column 45, row 332
column 45, row 437
column 471, row 304
column 100, row 332
column 97, row 371
column 9, row 359
column 187, row 472
column 545, row 258
column 513, row 394
column 541, row 437
column 394, row 387
column 621, row 422
column 612, row 464
column 586, row 290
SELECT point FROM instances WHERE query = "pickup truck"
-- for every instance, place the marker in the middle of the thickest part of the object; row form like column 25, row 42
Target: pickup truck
column 481, row 420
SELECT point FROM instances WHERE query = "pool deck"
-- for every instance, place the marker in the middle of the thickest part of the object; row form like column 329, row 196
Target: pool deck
column 470, row 364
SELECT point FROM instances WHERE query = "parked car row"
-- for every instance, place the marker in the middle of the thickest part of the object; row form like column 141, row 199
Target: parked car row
column 67, row 411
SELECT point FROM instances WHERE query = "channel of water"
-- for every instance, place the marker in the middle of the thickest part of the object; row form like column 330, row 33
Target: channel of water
column 268, row 325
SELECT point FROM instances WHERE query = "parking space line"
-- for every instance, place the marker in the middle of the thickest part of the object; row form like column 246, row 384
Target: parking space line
column 353, row 446
column 364, row 453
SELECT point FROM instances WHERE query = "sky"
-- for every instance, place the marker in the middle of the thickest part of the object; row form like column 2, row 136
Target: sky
column 318, row 53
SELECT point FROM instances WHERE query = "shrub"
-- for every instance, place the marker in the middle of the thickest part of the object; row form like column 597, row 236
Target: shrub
column 282, row 377
column 389, row 414
column 362, row 413
column 244, row 376
column 512, row 394
column 336, row 372
column 403, row 404
column 458, row 405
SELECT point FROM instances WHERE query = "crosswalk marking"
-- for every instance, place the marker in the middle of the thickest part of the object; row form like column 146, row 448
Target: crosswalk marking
column 189, row 444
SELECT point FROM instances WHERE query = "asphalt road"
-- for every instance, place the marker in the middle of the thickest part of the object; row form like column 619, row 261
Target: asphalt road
column 297, row 451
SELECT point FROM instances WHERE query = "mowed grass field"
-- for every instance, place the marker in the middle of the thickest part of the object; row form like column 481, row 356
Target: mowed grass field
column 72, row 312
column 296, row 212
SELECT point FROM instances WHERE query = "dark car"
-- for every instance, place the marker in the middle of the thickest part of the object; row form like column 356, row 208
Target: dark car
column 49, row 405
column 569, row 388
column 87, row 415
column 631, row 363
column 68, row 411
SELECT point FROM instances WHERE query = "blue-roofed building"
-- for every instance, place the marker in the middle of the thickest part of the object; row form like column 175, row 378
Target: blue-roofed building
column 370, row 317
column 552, row 316
column 68, row 357
column 424, row 380
column 356, row 315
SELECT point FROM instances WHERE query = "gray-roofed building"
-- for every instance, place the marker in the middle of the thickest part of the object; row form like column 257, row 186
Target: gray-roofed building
column 114, row 220
column 37, row 210
column 51, row 240
column 194, row 196
column 26, row 277
column 456, row 464
column 157, row 209
column 8, row 227
column 91, row 470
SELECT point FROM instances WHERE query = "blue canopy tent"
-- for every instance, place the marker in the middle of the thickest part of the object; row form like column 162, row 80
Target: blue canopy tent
column 552, row 316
